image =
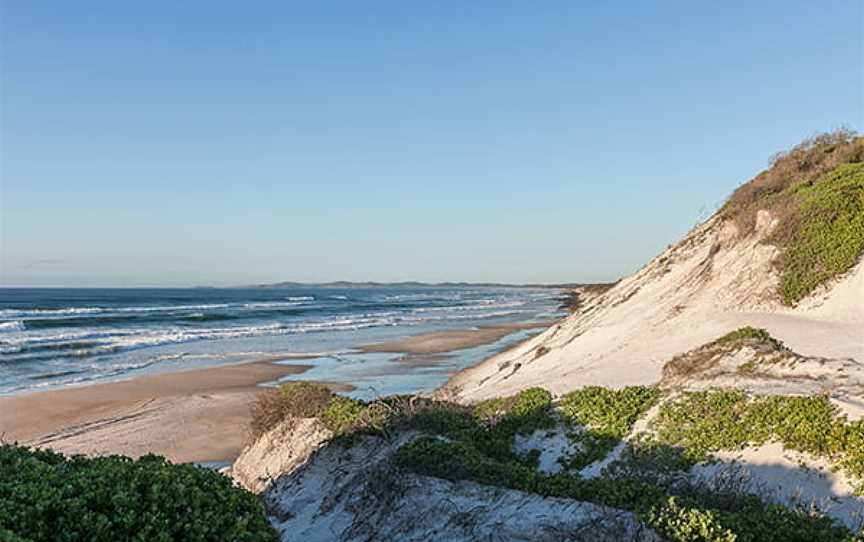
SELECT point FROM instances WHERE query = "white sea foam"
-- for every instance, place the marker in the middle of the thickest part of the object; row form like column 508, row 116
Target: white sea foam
column 109, row 339
column 272, row 304
column 15, row 325
column 13, row 313
column 490, row 304
column 72, row 311
column 79, row 311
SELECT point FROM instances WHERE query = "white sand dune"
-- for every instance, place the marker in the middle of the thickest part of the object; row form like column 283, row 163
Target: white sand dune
column 709, row 284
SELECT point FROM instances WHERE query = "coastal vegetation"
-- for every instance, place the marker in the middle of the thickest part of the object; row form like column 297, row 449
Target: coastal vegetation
column 476, row 443
column 825, row 235
column 604, row 417
column 690, row 364
column 639, row 442
column 702, row 422
column 815, row 192
column 681, row 513
column 45, row 496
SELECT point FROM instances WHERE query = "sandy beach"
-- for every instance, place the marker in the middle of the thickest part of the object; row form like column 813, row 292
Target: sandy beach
column 440, row 342
column 195, row 415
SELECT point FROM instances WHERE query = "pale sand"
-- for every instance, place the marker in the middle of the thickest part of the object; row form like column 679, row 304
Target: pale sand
column 439, row 342
column 195, row 415
column 691, row 294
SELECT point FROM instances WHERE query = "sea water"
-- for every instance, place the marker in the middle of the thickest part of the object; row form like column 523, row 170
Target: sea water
column 56, row 337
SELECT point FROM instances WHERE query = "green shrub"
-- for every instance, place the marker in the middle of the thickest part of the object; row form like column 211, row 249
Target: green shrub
column 343, row 415
column 677, row 522
column 824, row 235
column 687, row 518
column 744, row 334
column 853, row 456
column 605, row 417
column 528, row 407
column 47, row 497
column 807, row 424
column 705, row 422
column 608, row 412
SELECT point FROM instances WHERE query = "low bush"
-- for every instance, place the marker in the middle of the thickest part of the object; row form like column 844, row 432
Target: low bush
column 708, row 421
column 610, row 412
column 802, row 164
column 605, row 417
column 743, row 335
column 688, row 524
column 704, row 422
column 691, row 517
column 45, row 496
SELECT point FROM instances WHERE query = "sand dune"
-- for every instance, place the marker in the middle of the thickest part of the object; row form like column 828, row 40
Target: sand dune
column 705, row 286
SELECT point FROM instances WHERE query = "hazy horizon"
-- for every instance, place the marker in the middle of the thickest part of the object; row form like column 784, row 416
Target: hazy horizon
column 216, row 144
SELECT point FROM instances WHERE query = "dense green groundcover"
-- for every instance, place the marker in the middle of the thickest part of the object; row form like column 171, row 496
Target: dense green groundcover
column 477, row 443
column 605, row 417
column 826, row 232
column 699, row 423
column 478, row 447
column 46, row 496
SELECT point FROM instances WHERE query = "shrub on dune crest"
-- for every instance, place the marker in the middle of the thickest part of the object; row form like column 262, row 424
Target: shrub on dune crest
column 816, row 193
column 802, row 164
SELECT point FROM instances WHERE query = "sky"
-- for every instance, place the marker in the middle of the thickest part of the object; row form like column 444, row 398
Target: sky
column 202, row 142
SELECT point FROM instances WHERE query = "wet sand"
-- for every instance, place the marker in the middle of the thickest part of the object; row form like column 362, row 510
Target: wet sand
column 440, row 342
column 195, row 415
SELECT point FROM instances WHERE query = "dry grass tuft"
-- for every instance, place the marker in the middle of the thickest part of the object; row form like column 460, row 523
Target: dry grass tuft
column 289, row 401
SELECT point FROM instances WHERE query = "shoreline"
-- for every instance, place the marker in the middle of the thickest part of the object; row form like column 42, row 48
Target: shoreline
column 443, row 342
column 194, row 415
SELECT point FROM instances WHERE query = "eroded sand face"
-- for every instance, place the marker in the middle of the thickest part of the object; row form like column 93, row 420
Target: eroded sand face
column 702, row 288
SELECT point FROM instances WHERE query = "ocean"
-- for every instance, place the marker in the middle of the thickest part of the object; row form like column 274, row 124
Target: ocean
column 52, row 337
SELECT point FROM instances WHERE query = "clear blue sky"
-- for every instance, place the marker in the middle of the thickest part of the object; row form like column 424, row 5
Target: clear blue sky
column 185, row 143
